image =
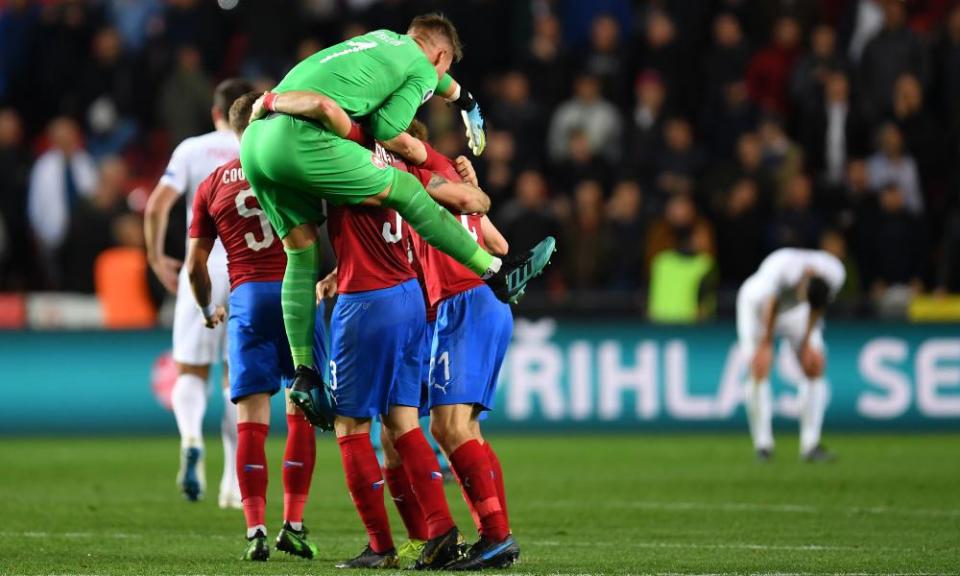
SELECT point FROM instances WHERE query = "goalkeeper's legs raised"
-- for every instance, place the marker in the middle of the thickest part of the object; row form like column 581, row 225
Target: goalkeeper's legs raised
column 444, row 232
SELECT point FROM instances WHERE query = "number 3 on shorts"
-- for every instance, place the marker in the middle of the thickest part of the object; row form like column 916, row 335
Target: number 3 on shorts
column 333, row 375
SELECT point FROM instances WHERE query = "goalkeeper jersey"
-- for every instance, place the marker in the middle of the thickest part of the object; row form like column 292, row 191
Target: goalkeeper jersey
column 381, row 75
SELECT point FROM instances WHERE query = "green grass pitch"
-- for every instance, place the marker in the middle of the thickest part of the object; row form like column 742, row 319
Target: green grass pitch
column 639, row 504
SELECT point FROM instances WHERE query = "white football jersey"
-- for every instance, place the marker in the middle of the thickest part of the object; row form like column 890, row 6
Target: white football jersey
column 192, row 161
column 781, row 272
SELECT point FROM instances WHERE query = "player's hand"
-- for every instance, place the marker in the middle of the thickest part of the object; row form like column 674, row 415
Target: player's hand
column 476, row 137
column 762, row 359
column 465, row 170
column 811, row 361
column 327, row 288
column 218, row 316
column 258, row 111
column 167, row 270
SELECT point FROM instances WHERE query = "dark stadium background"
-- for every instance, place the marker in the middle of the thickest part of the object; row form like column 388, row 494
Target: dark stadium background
column 725, row 103
column 668, row 144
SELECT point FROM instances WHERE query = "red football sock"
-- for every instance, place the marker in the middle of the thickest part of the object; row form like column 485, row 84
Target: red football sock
column 498, row 480
column 366, row 488
column 252, row 471
column 476, row 476
column 423, row 470
column 406, row 502
column 298, row 461
column 466, row 498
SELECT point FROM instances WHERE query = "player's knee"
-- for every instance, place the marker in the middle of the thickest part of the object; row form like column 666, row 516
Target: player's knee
column 348, row 426
column 300, row 237
column 201, row 371
column 254, row 408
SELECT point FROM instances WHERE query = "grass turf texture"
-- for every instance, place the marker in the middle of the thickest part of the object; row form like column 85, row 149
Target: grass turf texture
column 593, row 504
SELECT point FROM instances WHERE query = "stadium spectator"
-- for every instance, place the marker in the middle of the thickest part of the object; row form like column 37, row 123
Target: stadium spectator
column 543, row 62
column 921, row 135
column 948, row 270
column 121, row 278
column 768, row 74
column 832, row 130
column 624, row 213
column 515, row 112
column 586, row 240
column 582, row 164
column 727, row 118
column 605, row 59
column 106, row 96
column 814, row 68
column 796, row 225
column 680, row 161
column 866, row 17
column 645, row 135
column 60, row 176
column 947, row 68
column 660, row 51
column 681, row 281
column 892, row 164
column 680, row 220
column 185, row 97
column 740, row 236
column 894, row 258
column 895, row 50
column 14, row 176
column 588, row 112
column 527, row 217
column 18, row 27
column 91, row 226
column 781, row 155
column 727, row 59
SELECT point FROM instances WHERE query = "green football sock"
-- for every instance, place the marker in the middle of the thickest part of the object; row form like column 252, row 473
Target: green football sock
column 436, row 224
column 299, row 301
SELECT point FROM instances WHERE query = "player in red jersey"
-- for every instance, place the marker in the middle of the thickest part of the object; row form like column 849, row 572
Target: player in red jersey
column 377, row 331
column 225, row 208
column 372, row 293
column 470, row 337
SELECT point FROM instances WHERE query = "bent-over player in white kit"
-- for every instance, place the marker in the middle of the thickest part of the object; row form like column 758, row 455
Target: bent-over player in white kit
column 787, row 297
column 196, row 347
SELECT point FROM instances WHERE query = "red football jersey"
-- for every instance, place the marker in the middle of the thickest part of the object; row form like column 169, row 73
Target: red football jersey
column 373, row 249
column 225, row 207
column 442, row 276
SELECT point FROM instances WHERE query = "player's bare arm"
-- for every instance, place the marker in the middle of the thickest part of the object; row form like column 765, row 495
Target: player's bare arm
column 304, row 104
column 458, row 196
column 198, row 252
column 408, row 147
column 155, row 218
column 495, row 242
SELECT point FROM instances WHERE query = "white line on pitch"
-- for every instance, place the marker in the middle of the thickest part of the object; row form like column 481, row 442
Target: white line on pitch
column 744, row 507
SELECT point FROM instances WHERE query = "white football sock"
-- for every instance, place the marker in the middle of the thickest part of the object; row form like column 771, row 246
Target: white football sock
column 759, row 403
column 251, row 532
column 813, row 403
column 228, row 431
column 494, row 267
column 189, row 399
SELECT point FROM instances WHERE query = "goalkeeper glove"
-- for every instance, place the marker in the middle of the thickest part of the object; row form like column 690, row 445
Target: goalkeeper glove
column 472, row 120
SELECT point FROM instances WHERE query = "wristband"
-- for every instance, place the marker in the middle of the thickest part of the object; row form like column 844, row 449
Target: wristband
column 268, row 100
column 208, row 310
column 465, row 101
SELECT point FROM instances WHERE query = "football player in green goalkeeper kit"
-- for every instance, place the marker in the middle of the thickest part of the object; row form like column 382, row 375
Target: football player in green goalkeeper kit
column 294, row 163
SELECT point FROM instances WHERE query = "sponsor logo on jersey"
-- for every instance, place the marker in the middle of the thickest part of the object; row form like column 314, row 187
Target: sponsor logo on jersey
column 427, row 96
column 378, row 160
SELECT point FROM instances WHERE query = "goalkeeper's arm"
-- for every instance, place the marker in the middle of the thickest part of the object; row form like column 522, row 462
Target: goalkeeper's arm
column 454, row 93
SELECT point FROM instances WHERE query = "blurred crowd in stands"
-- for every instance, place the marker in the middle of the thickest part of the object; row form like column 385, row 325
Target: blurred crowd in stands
column 669, row 145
